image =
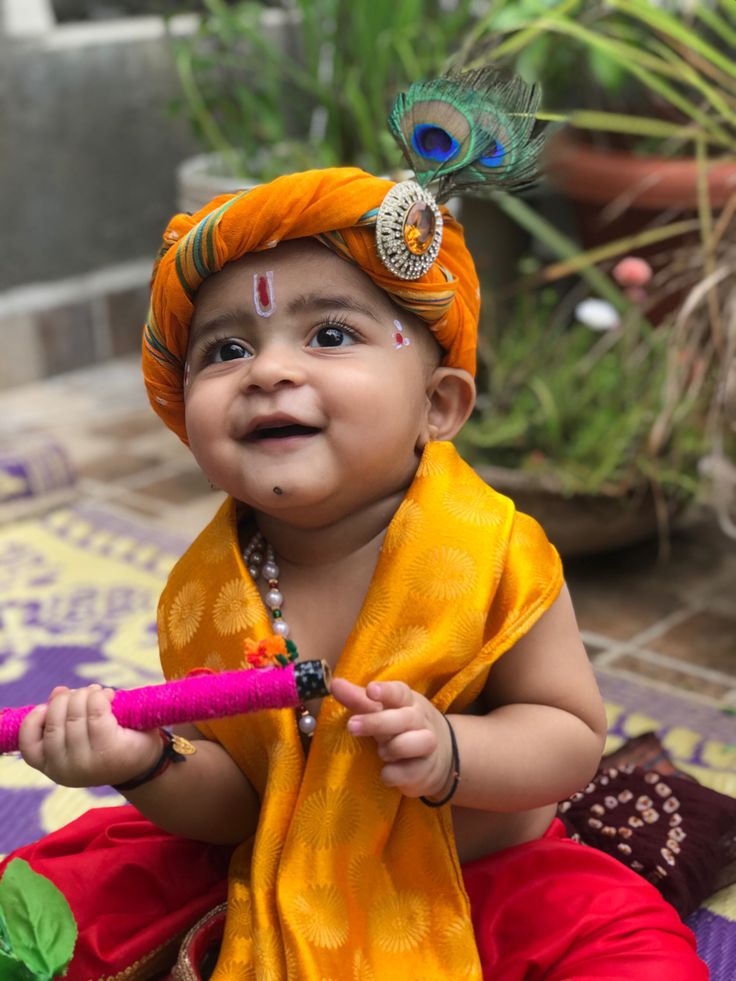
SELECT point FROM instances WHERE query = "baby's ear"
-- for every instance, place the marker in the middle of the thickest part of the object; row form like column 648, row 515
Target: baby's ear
column 451, row 395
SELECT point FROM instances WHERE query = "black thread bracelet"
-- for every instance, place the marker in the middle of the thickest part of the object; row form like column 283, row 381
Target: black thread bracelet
column 455, row 771
column 169, row 755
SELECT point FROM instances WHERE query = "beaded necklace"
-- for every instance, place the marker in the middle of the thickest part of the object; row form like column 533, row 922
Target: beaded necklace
column 259, row 559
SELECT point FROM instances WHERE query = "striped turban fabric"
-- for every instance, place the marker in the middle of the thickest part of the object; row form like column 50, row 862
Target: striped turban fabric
column 338, row 207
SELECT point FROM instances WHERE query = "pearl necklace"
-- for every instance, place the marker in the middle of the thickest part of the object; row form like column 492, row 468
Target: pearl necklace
column 259, row 559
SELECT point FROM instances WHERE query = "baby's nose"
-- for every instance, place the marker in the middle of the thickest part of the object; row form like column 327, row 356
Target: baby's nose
column 274, row 366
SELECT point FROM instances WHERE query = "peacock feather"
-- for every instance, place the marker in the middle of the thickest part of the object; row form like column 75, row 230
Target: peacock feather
column 467, row 130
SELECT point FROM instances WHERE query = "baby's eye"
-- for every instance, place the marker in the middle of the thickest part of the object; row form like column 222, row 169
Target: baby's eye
column 332, row 336
column 226, row 350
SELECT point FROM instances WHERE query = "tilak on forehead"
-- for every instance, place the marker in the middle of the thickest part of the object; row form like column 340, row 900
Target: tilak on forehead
column 464, row 131
column 263, row 296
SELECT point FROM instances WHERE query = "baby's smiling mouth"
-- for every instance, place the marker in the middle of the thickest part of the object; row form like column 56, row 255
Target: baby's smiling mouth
column 283, row 430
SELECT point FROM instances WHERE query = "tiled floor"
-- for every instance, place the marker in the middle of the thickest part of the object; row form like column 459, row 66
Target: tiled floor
column 668, row 623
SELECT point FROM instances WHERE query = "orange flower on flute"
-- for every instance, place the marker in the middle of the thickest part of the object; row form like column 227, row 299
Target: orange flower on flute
column 270, row 651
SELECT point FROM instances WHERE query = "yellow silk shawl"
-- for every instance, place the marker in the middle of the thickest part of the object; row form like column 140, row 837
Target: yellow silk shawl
column 346, row 878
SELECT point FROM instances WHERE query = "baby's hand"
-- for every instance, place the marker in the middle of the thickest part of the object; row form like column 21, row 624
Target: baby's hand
column 411, row 735
column 77, row 741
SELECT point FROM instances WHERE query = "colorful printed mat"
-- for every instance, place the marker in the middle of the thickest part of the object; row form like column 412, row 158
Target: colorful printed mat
column 78, row 595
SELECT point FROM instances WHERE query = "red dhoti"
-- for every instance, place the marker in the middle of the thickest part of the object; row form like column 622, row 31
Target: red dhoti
column 556, row 910
column 547, row 910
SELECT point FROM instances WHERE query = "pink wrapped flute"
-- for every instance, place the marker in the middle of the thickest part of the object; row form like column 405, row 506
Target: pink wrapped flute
column 201, row 696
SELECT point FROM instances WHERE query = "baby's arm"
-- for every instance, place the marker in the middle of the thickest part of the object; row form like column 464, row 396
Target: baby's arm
column 77, row 742
column 544, row 734
column 541, row 739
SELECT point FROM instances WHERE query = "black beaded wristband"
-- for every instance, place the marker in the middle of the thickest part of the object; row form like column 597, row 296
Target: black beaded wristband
column 455, row 771
column 175, row 750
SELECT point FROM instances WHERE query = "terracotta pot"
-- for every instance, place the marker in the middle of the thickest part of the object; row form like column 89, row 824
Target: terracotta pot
column 581, row 524
column 587, row 173
column 615, row 194
column 201, row 178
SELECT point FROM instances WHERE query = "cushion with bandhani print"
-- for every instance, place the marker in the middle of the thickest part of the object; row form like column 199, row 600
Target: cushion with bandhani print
column 664, row 825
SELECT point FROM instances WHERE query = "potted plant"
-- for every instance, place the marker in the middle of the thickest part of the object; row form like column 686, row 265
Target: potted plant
column 305, row 83
column 649, row 91
column 601, row 426
column 309, row 83
column 645, row 97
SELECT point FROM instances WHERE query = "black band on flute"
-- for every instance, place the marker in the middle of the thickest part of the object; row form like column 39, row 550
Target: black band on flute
column 455, row 771
column 312, row 679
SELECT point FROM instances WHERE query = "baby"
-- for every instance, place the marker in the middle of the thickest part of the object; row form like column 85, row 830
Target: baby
column 405, row 827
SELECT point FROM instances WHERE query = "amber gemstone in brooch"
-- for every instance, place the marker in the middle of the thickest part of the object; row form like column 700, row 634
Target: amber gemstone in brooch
column 419, row 228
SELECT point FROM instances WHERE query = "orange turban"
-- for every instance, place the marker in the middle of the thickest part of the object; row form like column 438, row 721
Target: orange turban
column 338, row 206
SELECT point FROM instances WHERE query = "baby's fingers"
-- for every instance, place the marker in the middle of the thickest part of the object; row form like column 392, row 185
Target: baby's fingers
column 408, row 776
column 419, row 743
column 54, row 729
column 387, row 724
column 391, row 694
column 30, row 737
column 77, row 720
column 101, row 723
column 353, row 697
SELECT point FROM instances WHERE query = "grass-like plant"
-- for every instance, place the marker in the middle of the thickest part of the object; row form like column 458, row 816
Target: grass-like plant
column 617, row 412
column 673, row 62
column 638, row 406
column 317, row 91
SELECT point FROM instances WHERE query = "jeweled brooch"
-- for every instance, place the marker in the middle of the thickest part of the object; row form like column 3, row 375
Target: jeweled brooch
column 408, row 230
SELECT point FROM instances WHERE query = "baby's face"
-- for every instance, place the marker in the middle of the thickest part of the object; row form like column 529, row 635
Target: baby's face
column 305, row 388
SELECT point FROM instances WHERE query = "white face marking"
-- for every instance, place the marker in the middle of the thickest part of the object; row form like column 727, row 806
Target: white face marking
column 263, row 294
column 187, row 375
column 400, row 339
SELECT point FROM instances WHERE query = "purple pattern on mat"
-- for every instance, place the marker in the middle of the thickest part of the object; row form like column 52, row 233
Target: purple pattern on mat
column 670, row 710
column 144, row 535
column 42, row 468
column 20, row 817
column 59, row 626
column 716, row 938
column 48, row 667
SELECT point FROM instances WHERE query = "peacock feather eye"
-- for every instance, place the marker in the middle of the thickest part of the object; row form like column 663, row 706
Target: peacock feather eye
column 471, row 129
column 434, row 143
column 494, row 156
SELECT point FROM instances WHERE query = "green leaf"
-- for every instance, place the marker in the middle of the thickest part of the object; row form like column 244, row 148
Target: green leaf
column 529, row 219
column 607, row 71
column 39, row 923
column 717, row 24
column 617, row 122
column 4, row 936
column 671, row 25
column 11, row 969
